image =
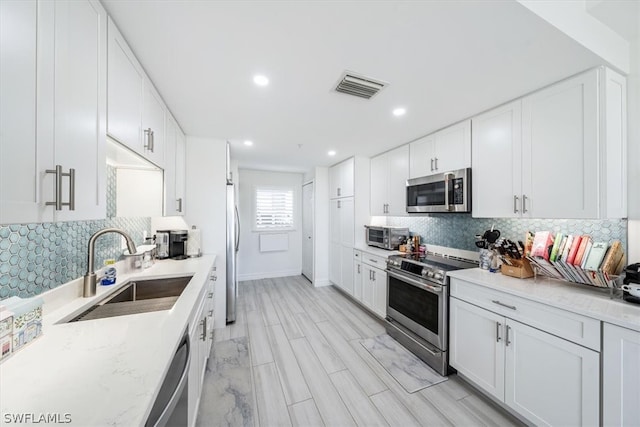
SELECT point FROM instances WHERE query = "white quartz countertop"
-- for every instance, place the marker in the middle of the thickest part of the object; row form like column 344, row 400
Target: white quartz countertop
column 104, row 372
column 585, row 300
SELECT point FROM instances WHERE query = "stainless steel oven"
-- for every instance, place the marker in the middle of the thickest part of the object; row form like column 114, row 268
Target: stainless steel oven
column 418, row 305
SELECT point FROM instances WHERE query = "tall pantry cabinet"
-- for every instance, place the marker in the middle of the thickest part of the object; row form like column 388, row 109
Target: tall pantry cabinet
column 348, row 213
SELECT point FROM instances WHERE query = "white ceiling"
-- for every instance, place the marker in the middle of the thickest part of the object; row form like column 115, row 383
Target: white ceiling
column 444, row 60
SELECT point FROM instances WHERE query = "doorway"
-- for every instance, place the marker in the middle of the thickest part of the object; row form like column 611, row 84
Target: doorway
column 307, row 230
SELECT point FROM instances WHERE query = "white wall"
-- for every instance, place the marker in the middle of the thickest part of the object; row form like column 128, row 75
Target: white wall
column 253, row 264
column 206, row 207
column 321, row 227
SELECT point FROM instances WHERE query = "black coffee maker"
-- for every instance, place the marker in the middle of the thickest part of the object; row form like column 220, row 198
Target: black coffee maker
column 177, row 244
column 632, row 276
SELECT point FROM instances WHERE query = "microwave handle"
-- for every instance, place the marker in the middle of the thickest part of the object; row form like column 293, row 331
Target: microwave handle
column 447, row 207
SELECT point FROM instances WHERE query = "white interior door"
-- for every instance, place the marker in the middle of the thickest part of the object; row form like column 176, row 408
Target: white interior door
column 307, row 231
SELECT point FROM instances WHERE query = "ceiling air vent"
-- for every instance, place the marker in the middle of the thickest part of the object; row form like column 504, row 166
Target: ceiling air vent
column 361, row 86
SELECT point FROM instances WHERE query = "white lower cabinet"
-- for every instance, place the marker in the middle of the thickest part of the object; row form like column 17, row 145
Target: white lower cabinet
column 374, row 289
column 546, row 379
column 197, row 363
column 620, row 376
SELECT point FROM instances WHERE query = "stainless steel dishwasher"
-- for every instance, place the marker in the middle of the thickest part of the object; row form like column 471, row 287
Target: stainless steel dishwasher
column 171, row 405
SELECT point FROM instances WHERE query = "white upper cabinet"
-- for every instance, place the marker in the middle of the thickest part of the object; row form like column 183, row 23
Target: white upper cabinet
column 153, row 125
column 497, row 162
column 341, row 179
column 560, row 150
column 389, row 174
column 23, row 157
column 126, row 84
column 557, row 153
column 174, row 169
column 69, row 71
column 446, row 150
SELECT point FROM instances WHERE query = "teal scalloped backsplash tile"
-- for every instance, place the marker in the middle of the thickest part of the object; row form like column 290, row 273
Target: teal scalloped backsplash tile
column 459, row 230
column 37, row 257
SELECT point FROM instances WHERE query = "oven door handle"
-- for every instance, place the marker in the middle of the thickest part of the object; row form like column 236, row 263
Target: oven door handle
column 416, row 283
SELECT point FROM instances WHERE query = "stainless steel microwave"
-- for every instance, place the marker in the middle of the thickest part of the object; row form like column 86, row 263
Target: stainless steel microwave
column 386, row 237
column 445, row 192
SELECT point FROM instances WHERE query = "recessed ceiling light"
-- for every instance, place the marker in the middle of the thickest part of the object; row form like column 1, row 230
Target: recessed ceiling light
column 331, row 153
column 399, row 111
column 248, row 143
column 260, row 80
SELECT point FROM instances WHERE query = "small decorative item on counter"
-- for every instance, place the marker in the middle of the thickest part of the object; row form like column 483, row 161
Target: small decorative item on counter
column 27, row 320
column 486, row 259
column 6, row 331
column 109, row 277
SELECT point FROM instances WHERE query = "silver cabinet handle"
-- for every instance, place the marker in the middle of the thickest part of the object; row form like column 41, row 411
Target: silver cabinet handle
column 506, row 341
column 498, row 337
column 338, row 204
column 210, row 313
column 370, row 274
column 203, row 322
column 148, row 145
column 58, row 203
column 512, row 307
column 373, row 260
column 179, row 201
column 524, row 203
column 213, row 277
column 436, row 163
column 515, row 204
column 210, row 295
column 431, row 165
column 358, row 268
column 374, row 275
column 338, row 191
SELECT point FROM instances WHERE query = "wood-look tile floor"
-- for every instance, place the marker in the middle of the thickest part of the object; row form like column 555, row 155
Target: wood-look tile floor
column 293, row 357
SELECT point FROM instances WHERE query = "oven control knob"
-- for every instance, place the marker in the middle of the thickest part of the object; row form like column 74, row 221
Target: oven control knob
column 438, row 276
column 429, row 273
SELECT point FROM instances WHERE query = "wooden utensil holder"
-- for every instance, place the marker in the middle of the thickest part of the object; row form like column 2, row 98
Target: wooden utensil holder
column 520, row 269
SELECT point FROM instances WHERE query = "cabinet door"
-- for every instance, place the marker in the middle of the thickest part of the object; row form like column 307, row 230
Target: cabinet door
column 335, row 222
column 170, row 167
column 421, row 155
column 453, row 148
column 476, row 346
column 153, row 125
column 80, row 97
column 181, row 171
column 367, row 286
column 397, row 175
column 550, row 381
column 346, row 214
column 334, row 181
column 357, row 280
column 196, row 363
column 347, row 178
column 560, row 150
column 335, row 263
column 620, row 376
column 346, row 267
column 379, row 185
column 497, row 156
column 379, row 292
column 24, row 156
column 125, row 85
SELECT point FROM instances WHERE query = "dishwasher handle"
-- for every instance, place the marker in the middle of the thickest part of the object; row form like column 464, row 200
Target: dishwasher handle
column 159, row 415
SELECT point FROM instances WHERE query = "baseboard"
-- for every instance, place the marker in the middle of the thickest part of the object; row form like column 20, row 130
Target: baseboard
column 268, row 275
column 320, row 283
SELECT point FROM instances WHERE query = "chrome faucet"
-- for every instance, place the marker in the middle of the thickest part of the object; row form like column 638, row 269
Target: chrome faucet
column 89, row 284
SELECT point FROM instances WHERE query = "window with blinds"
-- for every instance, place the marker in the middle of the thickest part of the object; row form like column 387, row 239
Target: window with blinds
column 274, row 208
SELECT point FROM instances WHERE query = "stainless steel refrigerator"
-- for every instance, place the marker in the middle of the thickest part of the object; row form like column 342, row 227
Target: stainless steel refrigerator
column 233, row 243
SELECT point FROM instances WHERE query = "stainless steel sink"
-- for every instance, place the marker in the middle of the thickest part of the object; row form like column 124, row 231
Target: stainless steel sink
column 138, row 296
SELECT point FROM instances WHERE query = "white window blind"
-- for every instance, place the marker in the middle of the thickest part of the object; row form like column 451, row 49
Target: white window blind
column 274, row 208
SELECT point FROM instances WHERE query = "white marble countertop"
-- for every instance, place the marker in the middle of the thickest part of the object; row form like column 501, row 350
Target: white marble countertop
column 103, row 372
column 376, row 251
column 585, row 300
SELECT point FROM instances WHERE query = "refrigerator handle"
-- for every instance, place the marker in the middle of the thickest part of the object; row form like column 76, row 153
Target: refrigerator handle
column 237, row 230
